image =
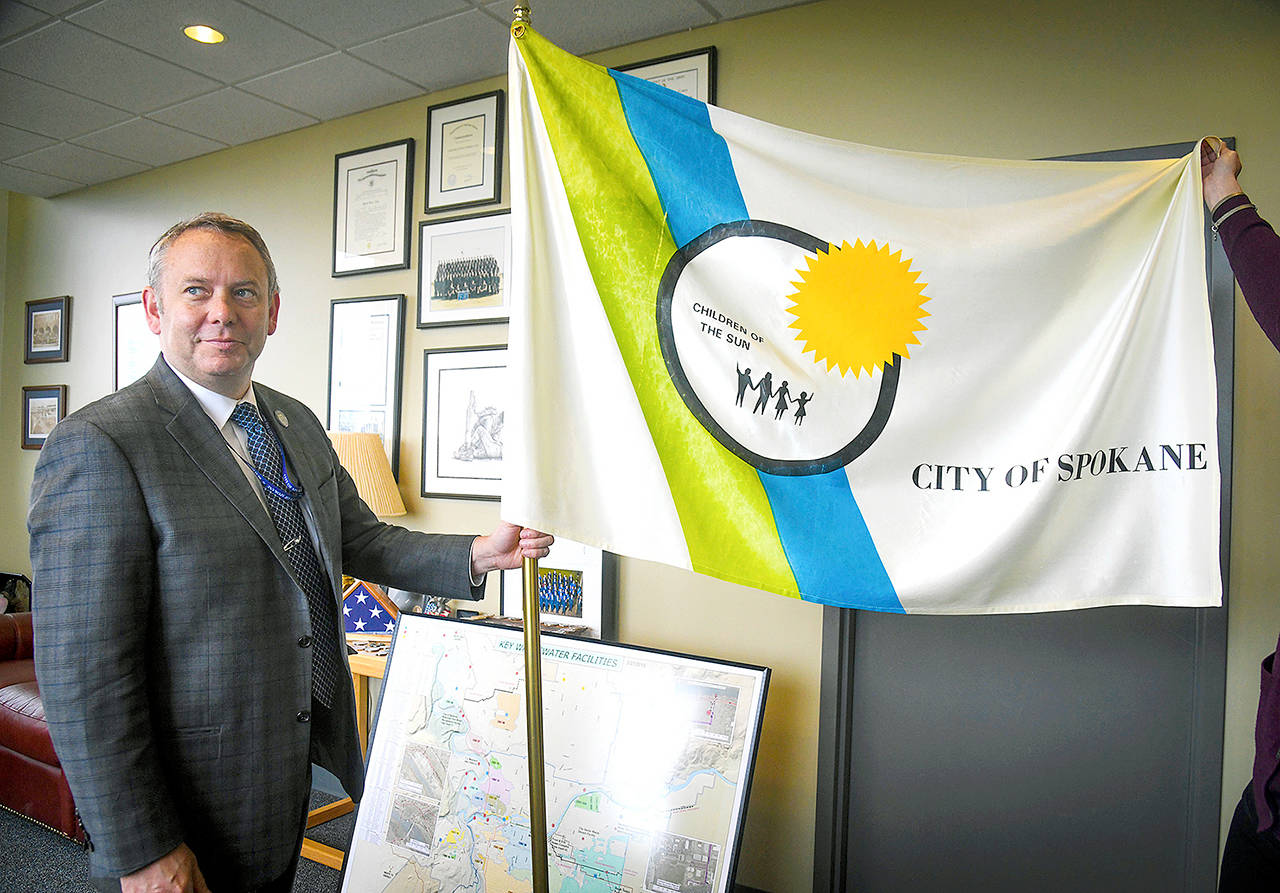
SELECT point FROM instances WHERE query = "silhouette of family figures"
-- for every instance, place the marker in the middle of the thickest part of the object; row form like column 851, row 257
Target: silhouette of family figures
column 767, row 392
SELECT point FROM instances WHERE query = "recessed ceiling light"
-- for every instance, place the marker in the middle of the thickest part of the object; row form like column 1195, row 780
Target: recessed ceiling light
column 204, row 34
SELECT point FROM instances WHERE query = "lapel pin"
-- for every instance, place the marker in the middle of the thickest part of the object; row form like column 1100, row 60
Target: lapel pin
column 282, row 418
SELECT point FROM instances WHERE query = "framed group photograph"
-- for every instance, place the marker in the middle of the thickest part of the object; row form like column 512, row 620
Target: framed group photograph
column 692, row 73
column 462, row 270
column 464, row 407
column 372, row 194
column 464, row 152
column 135, row 345
column 48, row 332
column 577, row 586
column 366, row 350
column 42, row 408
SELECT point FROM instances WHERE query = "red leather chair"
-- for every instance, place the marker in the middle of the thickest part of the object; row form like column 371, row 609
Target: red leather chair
column 31, row 779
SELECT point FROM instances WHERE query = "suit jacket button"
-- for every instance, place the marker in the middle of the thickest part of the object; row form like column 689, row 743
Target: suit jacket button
column 304, row 716
column 304, row 642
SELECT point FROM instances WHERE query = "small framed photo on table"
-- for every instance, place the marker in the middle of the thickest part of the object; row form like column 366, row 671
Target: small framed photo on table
column 42, row 408
column 692, row 73
column 577, row 587
column 462, row 270
column 464, row 407
column 48, row 333
column 464, row 152
column 372, row 192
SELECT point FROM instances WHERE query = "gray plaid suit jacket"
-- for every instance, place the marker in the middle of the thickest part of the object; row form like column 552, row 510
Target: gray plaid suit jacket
column 170, row 636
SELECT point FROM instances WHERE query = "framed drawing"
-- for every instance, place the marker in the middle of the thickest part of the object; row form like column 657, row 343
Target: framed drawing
column 48, row 333
column 464, row 403
column 366, row 353
column 692, row 73
column 135, row 345
column 464, row 152
column 462, row 269
column 372, row 193
column 42, row 408
column 577, row 586
column 649, row 757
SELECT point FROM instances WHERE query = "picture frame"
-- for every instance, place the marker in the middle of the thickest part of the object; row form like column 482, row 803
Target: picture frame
column 692, row 73
column 366, row 356
column 577, row 586
column 372, row 198
column 463, row 267
column 48, row 330
column 43, row 406
column 464, row 391
column 134, row 345
column 464, row 152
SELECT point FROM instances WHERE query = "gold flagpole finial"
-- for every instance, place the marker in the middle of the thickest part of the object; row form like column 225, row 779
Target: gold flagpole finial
column 521, row 15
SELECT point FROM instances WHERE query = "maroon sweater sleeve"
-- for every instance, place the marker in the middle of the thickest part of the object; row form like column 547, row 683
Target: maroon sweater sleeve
column 1253, row 249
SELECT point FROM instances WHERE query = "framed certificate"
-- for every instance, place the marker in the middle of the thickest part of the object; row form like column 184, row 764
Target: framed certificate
column 464, row 152
column 692, row 73
column 372, row 192
column 366, row 347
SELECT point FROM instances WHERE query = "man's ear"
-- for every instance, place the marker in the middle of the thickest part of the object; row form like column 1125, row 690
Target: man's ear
column 273, row 317
column 151, row 306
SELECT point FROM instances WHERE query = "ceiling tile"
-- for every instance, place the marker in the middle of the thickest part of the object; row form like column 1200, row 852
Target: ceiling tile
column 233, row 116
column 332, row 86
column 49, row 111
column 16, row 142
column 255, row 43
column 90, row 65
column 30, row 183
column 54, row 7
column 735, row 9
column 76, row 163
column 344, row 24
column 149, row 142
column 457, row 50
column 611, row 22
column 17, row 17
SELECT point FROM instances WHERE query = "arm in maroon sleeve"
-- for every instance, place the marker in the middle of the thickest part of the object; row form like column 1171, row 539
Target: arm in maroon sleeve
column 1253, row 249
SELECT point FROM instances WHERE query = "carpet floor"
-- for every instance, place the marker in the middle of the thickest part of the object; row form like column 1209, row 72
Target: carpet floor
column 34, row 859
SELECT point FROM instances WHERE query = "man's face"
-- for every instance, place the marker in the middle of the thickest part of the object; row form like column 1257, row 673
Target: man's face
column 213, row 313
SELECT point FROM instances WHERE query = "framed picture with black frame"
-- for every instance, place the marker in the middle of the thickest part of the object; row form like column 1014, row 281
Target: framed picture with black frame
column 43, row 406
column 366, row 354
column 464, row 152
column 372, row 194
column 464, row 396
column 48, row 332
column 462, row 269
column 692, row 73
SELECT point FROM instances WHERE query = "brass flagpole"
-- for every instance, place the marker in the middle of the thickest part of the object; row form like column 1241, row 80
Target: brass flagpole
column 521, row 16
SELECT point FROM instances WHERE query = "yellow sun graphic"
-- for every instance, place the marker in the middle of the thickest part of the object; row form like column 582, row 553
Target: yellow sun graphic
column 856, row 306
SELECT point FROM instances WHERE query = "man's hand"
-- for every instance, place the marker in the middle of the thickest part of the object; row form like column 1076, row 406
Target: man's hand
column 506, row 548
column 176, row 872
column 1219, row 167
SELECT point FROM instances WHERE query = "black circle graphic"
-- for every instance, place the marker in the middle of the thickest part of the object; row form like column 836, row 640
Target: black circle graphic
column 666, row 340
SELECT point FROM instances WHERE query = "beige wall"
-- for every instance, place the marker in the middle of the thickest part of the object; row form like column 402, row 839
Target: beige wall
column 1022, row 80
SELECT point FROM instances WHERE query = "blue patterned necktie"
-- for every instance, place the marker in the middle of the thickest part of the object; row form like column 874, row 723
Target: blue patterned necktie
column 287, row 515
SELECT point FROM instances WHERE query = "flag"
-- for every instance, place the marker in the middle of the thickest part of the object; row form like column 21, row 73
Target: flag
column 863, row 377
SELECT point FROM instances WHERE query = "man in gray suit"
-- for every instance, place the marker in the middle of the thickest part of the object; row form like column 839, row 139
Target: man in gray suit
column 188, row 537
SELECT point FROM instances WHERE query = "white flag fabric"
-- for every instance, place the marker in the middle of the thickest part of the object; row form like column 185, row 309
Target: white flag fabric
column 863, row 377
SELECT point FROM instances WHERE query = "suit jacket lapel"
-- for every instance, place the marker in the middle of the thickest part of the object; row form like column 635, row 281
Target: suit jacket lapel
column 193, row 430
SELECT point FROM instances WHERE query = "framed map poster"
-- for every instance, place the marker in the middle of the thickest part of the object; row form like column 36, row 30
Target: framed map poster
column 649, row 756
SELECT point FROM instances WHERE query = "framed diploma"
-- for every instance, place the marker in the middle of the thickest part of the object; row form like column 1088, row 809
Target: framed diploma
column 366, row 347
column 372, row 194
column 464, row 153
column 462, row 269
column 136, row 346
column 692, row 73
column 464, row 406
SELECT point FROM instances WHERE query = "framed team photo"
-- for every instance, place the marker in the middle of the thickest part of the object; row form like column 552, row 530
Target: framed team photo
column 463, row 270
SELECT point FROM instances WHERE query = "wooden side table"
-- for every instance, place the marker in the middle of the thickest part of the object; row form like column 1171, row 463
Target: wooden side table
column 363, row 668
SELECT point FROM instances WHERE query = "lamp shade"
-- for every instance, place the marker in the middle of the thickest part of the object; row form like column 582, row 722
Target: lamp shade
column 362, row 455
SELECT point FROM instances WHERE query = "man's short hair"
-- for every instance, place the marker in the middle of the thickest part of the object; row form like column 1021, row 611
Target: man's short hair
column 218, row 222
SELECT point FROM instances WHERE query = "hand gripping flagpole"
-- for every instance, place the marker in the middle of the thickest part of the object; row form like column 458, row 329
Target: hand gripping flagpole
column 521, row 16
